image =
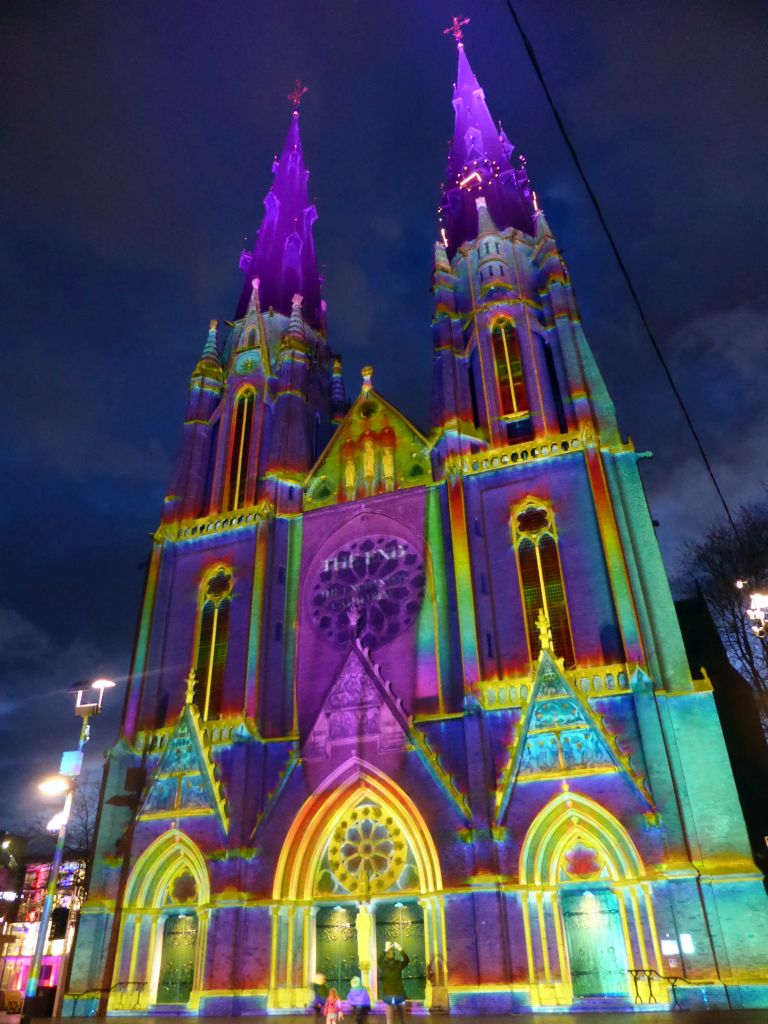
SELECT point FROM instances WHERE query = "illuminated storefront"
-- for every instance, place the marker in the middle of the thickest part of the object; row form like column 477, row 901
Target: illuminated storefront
column 21, row 936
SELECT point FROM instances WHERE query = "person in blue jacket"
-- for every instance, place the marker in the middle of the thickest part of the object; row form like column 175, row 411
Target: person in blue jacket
column 359, row 1000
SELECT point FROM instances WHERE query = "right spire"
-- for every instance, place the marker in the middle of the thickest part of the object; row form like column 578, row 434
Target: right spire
column 480, row 164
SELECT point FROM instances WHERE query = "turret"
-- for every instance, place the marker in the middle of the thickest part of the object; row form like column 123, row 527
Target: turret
column 187, row 493
column 272, row 403
column 511, row 363
column 338, row 395
column 290, row 454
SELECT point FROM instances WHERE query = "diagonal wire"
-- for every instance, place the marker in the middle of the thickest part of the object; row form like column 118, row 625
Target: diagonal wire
column 622, row 266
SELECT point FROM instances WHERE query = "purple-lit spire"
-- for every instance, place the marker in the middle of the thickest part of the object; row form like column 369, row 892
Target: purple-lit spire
column 480, row 164
column 283, row 258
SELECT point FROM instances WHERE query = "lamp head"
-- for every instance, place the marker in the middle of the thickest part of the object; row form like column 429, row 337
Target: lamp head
column 103, row 684
column 54, row 786
column 85, row 706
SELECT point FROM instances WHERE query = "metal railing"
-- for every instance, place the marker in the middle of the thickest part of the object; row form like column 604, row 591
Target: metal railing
column 121, row 987
column 650, row 974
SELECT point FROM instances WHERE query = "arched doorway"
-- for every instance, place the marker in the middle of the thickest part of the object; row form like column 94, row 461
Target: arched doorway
column 586, row 887
column 358, row 869
column 177, row 958
column 164, row 925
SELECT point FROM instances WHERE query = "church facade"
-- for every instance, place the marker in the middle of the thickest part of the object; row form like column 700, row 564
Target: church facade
column 416, row 687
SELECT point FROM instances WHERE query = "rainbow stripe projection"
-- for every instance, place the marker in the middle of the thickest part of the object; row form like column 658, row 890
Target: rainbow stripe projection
column 424, row 688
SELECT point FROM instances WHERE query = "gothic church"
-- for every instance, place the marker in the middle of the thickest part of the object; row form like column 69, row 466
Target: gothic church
column 424, row 687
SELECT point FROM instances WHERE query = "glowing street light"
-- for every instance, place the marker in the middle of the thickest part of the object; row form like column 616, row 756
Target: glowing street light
column 54, row 786
column 103, row 684
column 71, row 765
column 757, row 610
column 757, row 613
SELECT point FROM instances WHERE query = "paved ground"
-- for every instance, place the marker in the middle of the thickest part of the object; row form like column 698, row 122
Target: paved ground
column 667, row 1017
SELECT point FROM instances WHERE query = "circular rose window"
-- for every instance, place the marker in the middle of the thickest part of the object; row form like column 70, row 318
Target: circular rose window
column 372, row 588
column 367, row 850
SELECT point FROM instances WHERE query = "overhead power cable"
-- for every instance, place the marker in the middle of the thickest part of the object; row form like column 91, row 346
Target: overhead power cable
column 622, row 266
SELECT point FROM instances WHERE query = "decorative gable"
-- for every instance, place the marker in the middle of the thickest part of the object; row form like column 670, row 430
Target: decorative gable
column 560, row 735
column 360, row 706
column 185, row 782
column 375, row 450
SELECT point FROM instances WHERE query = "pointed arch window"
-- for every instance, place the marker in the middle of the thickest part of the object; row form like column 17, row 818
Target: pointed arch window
column 533, row 528
column 212, row 637
column 509, row 368
column 240, row 447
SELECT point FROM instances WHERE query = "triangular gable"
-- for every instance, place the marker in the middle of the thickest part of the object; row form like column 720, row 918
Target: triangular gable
column 375, row 450
column 361, row 707
column 560, row 735
column 185, row 782
column 358, row 707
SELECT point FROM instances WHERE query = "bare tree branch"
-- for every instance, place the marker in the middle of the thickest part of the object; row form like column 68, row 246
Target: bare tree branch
column 717, row 563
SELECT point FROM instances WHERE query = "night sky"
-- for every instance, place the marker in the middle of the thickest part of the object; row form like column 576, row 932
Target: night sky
column 137, row 140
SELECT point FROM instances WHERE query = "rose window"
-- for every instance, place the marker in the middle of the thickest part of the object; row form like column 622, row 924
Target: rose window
column 367, row 850
column 372, row 588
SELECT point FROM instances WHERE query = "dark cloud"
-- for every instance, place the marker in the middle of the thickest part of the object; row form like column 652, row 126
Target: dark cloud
column 37, row 720
column 137, row 141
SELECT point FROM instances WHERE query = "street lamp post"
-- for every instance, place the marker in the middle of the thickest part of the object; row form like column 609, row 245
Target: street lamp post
column 71, row 765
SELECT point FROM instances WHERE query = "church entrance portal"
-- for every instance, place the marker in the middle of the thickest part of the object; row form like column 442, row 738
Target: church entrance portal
column 403, row 922
column 358, row 870
column 595, row 941
column 177, row 961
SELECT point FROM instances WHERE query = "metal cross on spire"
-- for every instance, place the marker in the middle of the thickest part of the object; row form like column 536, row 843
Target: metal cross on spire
column 455, row 28
column 298, row 92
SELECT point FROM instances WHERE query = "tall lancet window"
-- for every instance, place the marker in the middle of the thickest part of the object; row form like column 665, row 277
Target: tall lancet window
column 239, row 448
column 509, row 368
column 533, row 529
column 212, row 635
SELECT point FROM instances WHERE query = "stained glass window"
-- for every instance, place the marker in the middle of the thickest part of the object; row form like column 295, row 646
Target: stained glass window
column 212, row 639
column 509, row 368
column 542, row 579
column 240, row 447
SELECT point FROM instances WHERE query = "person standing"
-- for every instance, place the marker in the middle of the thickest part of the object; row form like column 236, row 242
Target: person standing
column 333, row 1012
column 320, row 987
column 359, row 1000
column 392, row 989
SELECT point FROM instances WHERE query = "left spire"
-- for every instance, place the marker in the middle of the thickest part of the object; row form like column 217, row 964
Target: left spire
column 283, row 257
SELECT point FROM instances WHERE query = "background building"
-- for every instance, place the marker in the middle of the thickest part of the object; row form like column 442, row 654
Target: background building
column 425, row 687
column 25, row 883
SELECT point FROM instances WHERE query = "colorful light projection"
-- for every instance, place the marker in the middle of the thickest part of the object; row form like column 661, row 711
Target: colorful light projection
column 439, row 694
